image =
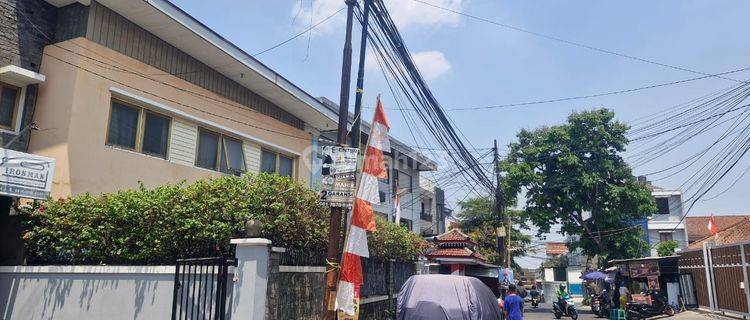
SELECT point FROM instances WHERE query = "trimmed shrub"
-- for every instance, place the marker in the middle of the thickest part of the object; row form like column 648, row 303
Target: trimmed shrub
column 157, row 226
column 151, row 226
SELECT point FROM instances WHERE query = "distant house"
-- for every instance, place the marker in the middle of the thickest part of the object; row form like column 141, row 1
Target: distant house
column 697, row 227
column 556, row 248
column 666, row 223
column 736, row 233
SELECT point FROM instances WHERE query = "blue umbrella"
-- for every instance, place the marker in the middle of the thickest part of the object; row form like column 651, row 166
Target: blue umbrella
column 594, row 275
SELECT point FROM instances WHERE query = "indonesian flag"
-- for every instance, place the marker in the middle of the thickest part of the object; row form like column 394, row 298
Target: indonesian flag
column 355, row 245
column 712, row 226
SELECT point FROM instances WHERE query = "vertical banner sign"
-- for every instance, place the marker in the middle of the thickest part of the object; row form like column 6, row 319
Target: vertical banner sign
column 339, row 176
column 25, row 175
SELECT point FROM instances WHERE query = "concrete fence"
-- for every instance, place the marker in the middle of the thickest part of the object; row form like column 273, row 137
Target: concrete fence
column 126, row 292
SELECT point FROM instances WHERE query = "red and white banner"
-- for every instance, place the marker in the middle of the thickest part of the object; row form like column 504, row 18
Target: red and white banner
column 355, row 245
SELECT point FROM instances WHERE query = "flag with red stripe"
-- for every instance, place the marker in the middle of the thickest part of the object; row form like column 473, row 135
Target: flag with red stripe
column 362, row 220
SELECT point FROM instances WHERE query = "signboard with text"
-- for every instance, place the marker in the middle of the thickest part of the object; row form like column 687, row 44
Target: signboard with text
column 25, row 175
column 339, row 176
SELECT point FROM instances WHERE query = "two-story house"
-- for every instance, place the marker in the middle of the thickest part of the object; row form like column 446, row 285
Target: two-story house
column 130, row 92
column 667, row 222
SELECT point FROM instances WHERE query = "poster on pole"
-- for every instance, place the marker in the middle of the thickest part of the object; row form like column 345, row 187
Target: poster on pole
column 339, row 176
column 25, row 175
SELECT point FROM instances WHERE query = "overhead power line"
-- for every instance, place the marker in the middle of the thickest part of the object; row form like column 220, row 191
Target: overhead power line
column 569, row 42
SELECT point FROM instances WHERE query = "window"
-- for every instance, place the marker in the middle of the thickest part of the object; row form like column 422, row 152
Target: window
column 273, row 162
column 665, row 236
column 10, row 97
column 219, row 152
column 405, row 223
column 663, row 205
column 404, row 181
column 381, row 195
column 137, row 129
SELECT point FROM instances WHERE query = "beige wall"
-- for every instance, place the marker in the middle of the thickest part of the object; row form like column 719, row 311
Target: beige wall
column 73, row 109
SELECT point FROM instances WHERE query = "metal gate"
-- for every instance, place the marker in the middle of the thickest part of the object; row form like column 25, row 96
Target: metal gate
column 200, row 288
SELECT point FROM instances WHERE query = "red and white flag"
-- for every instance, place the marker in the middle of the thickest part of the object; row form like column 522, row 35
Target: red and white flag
column 712, row 227
column 355, row 245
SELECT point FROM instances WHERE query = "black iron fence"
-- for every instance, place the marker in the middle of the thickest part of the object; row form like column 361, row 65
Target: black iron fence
column 301, row 257
column 200, row 288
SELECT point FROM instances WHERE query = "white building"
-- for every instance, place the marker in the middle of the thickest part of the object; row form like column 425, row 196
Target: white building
column 666, row 223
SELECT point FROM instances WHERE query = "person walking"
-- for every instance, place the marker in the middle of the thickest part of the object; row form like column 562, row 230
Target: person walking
column 513, row 304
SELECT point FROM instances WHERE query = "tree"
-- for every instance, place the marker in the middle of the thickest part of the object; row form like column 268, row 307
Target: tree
column 574, row 175
column 666, row 248
column 479, row 221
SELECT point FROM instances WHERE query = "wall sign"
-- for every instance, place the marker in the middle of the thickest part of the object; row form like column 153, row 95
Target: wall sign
column 25, row 175
column 339, row 176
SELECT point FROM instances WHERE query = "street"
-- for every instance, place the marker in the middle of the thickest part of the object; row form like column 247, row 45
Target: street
column 544, row 312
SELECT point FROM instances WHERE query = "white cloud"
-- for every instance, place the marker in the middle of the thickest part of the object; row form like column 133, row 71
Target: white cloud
column 432, row 64
column 405, row 13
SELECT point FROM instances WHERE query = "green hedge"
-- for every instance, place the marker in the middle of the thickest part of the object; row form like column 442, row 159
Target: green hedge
column 157, row 226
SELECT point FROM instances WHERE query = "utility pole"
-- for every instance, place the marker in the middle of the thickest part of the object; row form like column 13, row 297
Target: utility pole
column 337, row 213
column 500, row 210
column 357, row 133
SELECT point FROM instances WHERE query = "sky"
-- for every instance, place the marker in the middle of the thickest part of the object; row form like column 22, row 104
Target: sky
column 469, row 63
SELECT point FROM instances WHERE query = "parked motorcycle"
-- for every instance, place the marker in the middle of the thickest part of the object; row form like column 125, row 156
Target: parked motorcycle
column 566, row 307
column 659, row 306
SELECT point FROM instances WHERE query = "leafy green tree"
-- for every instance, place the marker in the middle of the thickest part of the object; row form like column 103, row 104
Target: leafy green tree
column 667, row 248
column 479, row 221
column 574, row 175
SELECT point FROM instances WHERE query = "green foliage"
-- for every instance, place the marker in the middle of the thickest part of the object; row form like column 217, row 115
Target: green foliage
column 576, row 168
column 156, row 226
column 667, row 248
column 172, row 221
column 391, row 241
column 479, row 221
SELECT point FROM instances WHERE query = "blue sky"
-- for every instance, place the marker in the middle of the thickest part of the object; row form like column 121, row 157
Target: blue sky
column 470, row 63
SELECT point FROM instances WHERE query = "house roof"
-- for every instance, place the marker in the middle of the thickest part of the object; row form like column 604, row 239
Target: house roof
column 453, row 235
column 456, row 253
column 173, row 25
column 735, row 233
column 556, row 248
column 697, row 227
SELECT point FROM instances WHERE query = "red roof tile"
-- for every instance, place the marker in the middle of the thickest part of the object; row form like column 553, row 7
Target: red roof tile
column 738, row 232
column 697, row 226
column 556, row 248
column 453, row 235
column 451, row 252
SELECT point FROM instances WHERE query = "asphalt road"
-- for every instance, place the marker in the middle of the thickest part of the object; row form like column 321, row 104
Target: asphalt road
column 544, row 312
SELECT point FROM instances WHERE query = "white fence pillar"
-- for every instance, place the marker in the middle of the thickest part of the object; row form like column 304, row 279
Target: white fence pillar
column 250, row 279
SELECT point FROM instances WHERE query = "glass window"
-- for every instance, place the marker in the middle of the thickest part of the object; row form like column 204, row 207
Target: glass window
column 268, row 161
column 234, row 154
column 9, row 97
column 404, row 181
column 123, row 126
column 219, row 152
column 665, row 236
column 285, row 166
column 273, row 162
column 208, row 145
column 155, row 135
column 663, row 205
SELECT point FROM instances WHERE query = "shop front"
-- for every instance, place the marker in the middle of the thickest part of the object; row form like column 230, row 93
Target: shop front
column 653, row 273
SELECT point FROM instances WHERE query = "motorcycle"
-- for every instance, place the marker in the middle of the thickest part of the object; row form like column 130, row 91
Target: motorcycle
column 534, row 298
column 566, row 307
column 595, row 304
column 603, row 308
column 659, row 306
